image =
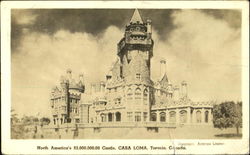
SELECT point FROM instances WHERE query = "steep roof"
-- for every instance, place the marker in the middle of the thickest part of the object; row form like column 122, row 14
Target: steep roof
column 164, row 80
column 136, row 17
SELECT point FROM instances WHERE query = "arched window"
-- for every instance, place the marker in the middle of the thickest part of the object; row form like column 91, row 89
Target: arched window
column 145, row 95
column 153, row 117
column 198, row 116
column 129, row 94
column 118, row 116
column 206, row 116
column 110, row 117
column 163, row 117
column 103, row 117
column 138, row 96
column 183, row 116
column 137, row 93
column 172, row 117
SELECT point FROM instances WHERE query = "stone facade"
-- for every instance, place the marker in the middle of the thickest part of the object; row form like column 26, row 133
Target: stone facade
column 129, row 94
column 65, row 99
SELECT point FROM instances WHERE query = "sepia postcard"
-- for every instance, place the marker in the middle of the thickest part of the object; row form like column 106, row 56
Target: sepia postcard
column 128, row 77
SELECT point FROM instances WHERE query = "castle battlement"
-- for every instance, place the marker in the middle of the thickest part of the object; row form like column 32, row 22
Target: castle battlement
column 129, row 94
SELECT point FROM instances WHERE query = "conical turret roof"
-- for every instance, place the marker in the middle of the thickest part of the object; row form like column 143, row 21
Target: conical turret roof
column 136, row 17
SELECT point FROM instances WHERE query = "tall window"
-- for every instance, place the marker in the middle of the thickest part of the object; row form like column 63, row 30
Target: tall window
column 130, row 116
column 198, row 116
column 153, row 117
column 103, row 117
column 172, row 117
column 145, row 96
column 110, row 117
column 138, row 93
column 137, row 116
column 118, row 116
column 183, row 116
column 145, row 116
column 129, row 94
column 163, row 117
column 206, row 116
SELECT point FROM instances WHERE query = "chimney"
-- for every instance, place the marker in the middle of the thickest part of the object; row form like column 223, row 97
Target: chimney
column 149, row 27
column 170, row 90
column 176, row 93
column 69, row 75
column 162, row 68
column 81, row 78
column 62, row 79
column 184, row 89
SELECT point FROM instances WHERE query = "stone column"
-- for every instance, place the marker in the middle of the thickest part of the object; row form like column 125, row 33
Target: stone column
column 157, row 116
column 188, row 115
column 106, row 117
column 167, row 115
column 114, row 118
column 194, row 120
column 210, row 117
column 202, row 115
column 177, row 116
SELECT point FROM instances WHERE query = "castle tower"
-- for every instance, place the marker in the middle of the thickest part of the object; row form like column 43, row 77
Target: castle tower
column 135, row 51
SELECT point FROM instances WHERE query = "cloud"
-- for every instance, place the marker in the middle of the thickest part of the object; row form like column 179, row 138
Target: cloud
column 42, row 59
column 203, row 50
column 23, row 17
column 206, row 52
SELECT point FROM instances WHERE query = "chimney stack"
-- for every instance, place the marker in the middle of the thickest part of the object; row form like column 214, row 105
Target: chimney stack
column 184, row 89
column 149, row 27
column 69, row 75
column 81, row 78
column 176, row 93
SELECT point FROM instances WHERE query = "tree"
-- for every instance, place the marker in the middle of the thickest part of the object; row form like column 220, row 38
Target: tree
column 228, row 114
column 44, row 121
column 13, row 118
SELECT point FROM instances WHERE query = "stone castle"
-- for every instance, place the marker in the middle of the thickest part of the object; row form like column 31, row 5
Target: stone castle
column 129, row 95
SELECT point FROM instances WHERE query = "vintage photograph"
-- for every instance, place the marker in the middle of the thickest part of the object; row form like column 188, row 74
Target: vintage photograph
column 132, row 73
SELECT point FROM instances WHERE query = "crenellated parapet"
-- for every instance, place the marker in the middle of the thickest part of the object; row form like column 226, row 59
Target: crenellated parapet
column 65, row 99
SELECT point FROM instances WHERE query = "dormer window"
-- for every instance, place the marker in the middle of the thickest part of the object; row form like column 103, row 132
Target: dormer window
column 138, row 76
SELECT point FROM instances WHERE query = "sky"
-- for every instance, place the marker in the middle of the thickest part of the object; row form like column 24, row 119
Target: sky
column 202, row 47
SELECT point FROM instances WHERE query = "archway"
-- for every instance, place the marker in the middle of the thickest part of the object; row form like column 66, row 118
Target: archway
column 183, row 116
column 198, row 116
column 110, row 117
column 163, row 117
column 153, row 117
column 206, row 116
column 118, row 116
column 103, row 117
column 172, row 117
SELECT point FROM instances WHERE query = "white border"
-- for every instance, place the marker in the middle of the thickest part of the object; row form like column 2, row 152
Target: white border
column 29, row 146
